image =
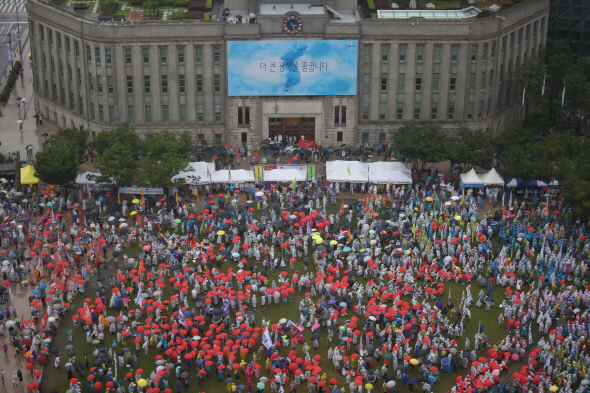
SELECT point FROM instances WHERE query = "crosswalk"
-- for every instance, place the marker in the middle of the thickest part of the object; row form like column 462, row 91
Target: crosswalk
column 13, row 6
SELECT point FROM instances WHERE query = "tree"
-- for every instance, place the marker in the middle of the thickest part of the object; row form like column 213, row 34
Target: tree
column 423, row 142
column 472, row 148
column 58, row 164
column 528, row 77
column 117, row 153
column 167, row 154
column 76, row 136
column 575, row 181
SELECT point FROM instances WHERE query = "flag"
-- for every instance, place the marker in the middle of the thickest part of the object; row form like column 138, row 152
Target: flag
column 563, row 95
column 341, row 212
column 308, row 232
column 348, row 169
column 349, row 234
column 142, row 194
column 523, row 94
column 543, row 90
column 181, row 319
column 141, row 266
column 118, row 197
column 87, row 316
column 331, row 189
column 139, row 220
column 69, row 214
column 196, row 193
column 361, row 196
column 281, row 389
column 294, row 183
column 386, row 201
column 266, row 340
column 388, row 185
column 177, row 199
column 225, row 306
column 138, row 299
column 449, row 295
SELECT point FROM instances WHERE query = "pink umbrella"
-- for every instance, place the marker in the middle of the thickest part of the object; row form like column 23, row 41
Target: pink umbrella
column 317, row 325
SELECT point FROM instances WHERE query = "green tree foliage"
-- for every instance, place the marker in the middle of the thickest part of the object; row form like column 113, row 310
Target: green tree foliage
column 529, row 77
column 58, row 164
column 472, row 148
column 167, row 155
column 422, row 142
column 117, row 153
column 77, row 136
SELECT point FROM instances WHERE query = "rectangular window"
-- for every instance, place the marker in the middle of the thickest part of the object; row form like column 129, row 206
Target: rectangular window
column 88, row 53
column 181, row 84
column 69, row 72
column 336, row 114
column 61, row 69
column 216, row 82
column 77, row 48
column 199, row 83
column 127, row 55
column 246, row 115
column 512, row 40
column 92, row 114
column 183, row 113
column 382, row 137
column 401, row 81
column 91, row 81
column 200, row 115
column 111, row 114
column 240, row 116
column 367, row 50
column 198, row 54
column 145, row 53
column 146, row 84
column 366, row 83
column 343, row 117
column 384, row 82
column 400, row 111
column 454, row 52
column 63, row 96
column 480, row 109
column 148, row 114
column 493, row 52
column 164, row 79
column 419, row 52
column 79, row 74
column 50, row 33
column 99, row 83
column 484, row 52
column 520, row 35
column 384, row 52
column 129, row 84
column 482, row 82
column 470, row 110
column 365, row 137
column 218, row 139
column 217, row 112
column 339, row 136
column 54, row 91
column 41, row 32
column 101, row 113
column 216, row 53
column 163, row 54
column 491, row 78
column 435, row 81
column 437, row 52
column 472, row 81
column 382, row 110
column 489, row 107
column 130, row 113
column 68, row 47
column 402, row 52
column 165, row 114
column 474, row 48
column 59, row 39
column 97, row 54
column 180, row 53
column 417, row 106
column 110, row 84
column 451, row 112
column 107, row 55
column 433, row 110
column 365, row 111
column 453, row 82
column 418, row 81
column 504, row 44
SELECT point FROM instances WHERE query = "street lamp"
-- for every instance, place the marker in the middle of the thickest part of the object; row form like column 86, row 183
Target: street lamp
column 10, row 49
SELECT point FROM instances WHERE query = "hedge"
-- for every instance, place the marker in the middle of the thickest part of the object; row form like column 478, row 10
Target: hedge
column 176, row 15
column 10, row 81
column 371, row 4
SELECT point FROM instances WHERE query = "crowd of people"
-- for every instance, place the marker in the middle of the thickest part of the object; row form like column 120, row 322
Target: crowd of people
column 375, row 295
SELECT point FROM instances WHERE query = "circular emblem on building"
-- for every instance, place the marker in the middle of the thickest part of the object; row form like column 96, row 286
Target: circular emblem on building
column 292, row 24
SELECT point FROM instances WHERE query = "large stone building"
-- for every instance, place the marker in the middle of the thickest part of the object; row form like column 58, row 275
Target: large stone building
column 173, row 75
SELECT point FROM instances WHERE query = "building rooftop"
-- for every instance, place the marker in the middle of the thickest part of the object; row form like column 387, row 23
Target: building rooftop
column 466, row 13
column 270, row 9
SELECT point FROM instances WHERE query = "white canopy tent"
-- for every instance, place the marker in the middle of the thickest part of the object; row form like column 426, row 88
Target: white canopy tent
column 197, row 169
column 82, row 178
column 471, row 179
column 339, row 164
column 235, row 176
column 492, row 178
column 392, row 177
column 280, row 175
column 346, row 175
column 388, row 166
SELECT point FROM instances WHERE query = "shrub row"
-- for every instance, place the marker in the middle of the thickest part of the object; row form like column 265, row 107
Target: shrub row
column 10, row 81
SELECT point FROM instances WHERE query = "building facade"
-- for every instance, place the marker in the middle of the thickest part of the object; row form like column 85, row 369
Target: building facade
column 569, row 20
column 174, row 75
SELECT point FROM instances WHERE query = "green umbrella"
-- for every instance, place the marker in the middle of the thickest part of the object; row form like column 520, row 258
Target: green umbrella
column 260, row 386
column 69, row 332
column 135, row 200
column 178, row 221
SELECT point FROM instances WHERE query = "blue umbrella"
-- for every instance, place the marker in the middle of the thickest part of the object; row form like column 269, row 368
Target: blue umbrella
column 36, row 291
column 42, row 286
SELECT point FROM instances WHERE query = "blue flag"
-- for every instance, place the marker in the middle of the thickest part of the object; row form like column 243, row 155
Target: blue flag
column 139, row 299
column 225, row 306
column 331, row 189
column 181, row 319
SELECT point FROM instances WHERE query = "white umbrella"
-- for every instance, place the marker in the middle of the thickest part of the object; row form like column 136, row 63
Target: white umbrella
column 413, row 4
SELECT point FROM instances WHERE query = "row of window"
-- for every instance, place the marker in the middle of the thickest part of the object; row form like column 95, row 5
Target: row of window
column 148, row 113
column 434, row 115
column 401, row 83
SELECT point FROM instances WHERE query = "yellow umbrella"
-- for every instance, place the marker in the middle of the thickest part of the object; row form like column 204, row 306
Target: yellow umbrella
column 397, row 331
column 333, row 242
column 314, row 230
column 19, row 121
column 429, row 199
column 554, row 388
column 142, row 382
column 28, row 55
column 219, row 233
column 319, row 241
column 414, row 362
column 133, row 213
column 458, row 218
column 369, row 386
column 135, row 201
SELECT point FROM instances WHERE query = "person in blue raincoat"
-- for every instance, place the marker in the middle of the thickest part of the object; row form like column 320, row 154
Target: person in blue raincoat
column 219, row 373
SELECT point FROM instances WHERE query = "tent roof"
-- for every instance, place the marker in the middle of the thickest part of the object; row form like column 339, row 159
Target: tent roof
column 82, row 178
column 355, row 176
column 471, row 179
column 492, row 178
column 388, row 166
column 197, row 169
column 339, row 164
column 27, row 175
column 237, row 176
column 393, row 177
column 288, row 175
